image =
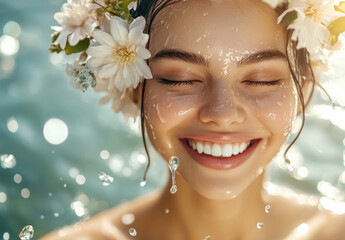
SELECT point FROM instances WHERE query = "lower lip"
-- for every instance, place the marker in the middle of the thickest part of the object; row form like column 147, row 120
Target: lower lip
column 221, row 163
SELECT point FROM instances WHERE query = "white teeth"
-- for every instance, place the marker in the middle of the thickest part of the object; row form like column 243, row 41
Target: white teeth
column 243, row 146
column 236, row 149
column 199, row 147
column 218, row 150
column 208, row 149
column 227, row 150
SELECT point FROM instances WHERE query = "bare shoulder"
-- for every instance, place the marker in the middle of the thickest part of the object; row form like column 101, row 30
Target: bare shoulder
column 305, row 217
column 107, row 225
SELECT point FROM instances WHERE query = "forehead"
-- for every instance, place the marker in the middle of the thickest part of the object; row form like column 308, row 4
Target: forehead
column 217, row 28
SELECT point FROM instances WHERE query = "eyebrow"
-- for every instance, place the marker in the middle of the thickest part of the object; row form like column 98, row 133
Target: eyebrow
column 175, row 54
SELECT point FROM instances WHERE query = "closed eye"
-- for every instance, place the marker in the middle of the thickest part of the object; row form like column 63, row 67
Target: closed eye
column 262, row 83
column 174, row 82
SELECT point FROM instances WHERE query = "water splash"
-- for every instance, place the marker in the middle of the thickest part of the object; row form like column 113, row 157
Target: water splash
column 207, row 238
column 259, row 225
column 7, row 161
column 173, row 165
column 106, row 179
column 132, row 232
column 27, row 233
column 267, row 209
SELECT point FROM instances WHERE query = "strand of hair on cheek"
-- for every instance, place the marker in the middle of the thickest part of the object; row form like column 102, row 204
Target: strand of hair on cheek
column 301, row 99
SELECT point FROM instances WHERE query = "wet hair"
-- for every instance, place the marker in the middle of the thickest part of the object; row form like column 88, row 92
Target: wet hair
column 298, row 61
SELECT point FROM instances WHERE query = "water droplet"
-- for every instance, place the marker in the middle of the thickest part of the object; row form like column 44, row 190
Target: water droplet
column 207, row 238
column 173, row 165
column 132, row 232
column 259, row 225
column 173, row 189
column 27, row 233
column 142, row 183
column 267, row 208
column 7, row 161
column 106, row 179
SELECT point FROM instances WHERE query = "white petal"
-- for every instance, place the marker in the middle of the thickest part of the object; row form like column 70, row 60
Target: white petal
column 103, row 38
column 143, row 53
column 59, row 17
column 105, row 99
column 119, row 31
column 62, row 39
column 108, row 70
column 118, row 80
column 100, row 51
column 74, row 38
column 97, row 62
column 142, row 40
column 144, row 69
column 138, row 23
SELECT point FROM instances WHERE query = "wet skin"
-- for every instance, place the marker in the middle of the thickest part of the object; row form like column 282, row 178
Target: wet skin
column 235, row 87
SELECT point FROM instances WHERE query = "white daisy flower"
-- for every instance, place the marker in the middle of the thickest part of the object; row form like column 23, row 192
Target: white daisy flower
column 78, row 19
column 121, row 101
column 120, row 56
column 273, row 3
column 310, row 27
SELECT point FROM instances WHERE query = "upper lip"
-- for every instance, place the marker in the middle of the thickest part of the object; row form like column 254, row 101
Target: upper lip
column 220, row 138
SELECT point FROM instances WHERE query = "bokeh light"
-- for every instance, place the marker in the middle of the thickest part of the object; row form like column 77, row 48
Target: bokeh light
column 8, row 45
column 12, row 29
column 55, row 131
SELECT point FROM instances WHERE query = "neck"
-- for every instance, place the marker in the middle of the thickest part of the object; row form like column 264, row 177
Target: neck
column 197, row 216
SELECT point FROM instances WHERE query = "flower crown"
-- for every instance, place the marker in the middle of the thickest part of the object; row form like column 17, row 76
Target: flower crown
column 112, row 44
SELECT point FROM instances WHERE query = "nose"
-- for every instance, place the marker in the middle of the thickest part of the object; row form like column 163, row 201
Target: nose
column 222, row 108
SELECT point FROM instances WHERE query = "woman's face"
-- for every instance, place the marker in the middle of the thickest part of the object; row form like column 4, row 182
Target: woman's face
column 221, row 83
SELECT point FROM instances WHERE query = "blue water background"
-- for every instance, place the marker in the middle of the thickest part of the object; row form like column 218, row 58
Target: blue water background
column 36, row 90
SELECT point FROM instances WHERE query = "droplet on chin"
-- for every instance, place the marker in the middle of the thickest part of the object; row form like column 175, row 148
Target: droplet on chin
column 132, row 232
column 267, row 209
column 259, row 225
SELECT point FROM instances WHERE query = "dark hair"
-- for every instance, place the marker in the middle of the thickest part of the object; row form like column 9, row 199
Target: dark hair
column 298, row 61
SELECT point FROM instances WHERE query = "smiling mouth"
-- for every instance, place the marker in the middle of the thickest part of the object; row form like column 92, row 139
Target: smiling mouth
column 220, row 156
column 218, row 150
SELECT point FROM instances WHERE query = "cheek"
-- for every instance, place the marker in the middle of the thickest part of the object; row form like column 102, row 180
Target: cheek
column 276, row 110
column 164, row 111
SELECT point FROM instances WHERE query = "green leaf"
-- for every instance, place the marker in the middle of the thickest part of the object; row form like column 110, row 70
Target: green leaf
column 289, row 18
column 336, row 28
column 81, row 46
column 53, row 47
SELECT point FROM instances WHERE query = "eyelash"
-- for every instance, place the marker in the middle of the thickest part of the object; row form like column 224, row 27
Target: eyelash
column 252, row 83
column 264, row 83
column 174, row 83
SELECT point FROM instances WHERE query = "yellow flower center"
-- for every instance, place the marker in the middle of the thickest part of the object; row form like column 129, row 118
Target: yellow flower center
column 313, row 12
column 123, row 56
